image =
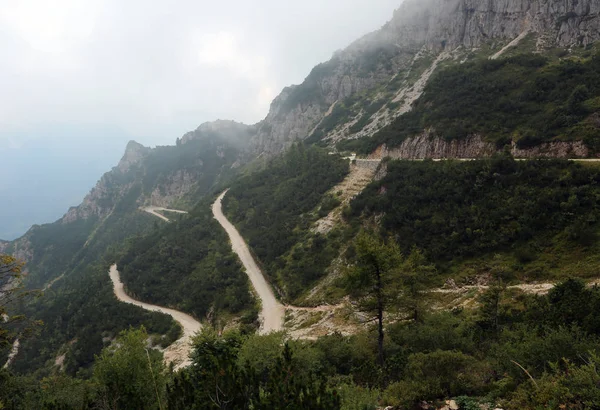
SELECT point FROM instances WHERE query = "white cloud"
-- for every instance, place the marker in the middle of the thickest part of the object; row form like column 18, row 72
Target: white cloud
column 157, row 68
column 50, row 26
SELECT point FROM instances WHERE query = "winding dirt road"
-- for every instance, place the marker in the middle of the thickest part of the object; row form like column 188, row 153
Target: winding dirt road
column 179, row 351
column 273, row 312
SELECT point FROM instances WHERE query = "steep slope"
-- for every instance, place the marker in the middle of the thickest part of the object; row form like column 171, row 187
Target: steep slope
column 67, row 257
column 272, row 312
column 531, row 105
column 178, row 352
column 392, row 87
column 377, row 78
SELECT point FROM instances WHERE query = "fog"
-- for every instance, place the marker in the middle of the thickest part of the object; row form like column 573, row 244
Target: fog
column 74, row 73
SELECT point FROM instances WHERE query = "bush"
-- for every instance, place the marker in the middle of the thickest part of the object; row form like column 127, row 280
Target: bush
column 358, row 398
column 567, row 386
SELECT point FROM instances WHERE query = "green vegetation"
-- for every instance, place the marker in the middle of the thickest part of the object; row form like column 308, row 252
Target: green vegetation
column 527, row 98
column 496, row 221
column 188, row 265
column 81, row 316
column 79, row 313
column 365, row 119
column 309, row 92
column 540, row 212
column 372, row 280
column 273, row 209
column 228, row 372
column 206, row 160
column 541, row 352
column 340, row 114
column 129, row 375
column 260, row 372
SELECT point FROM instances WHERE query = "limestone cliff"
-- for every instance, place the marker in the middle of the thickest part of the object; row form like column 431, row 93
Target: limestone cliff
column 101, row 199
column 419, row 32
column 230, row 131
column 428, row 145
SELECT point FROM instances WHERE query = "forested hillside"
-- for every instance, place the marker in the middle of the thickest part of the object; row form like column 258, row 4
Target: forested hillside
column 472, row 281
column 275, row 208
column 541, row 216
column 188, row 265
column 69, row 259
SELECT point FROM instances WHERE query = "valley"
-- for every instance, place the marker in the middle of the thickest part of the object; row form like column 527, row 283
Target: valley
column 416, row 225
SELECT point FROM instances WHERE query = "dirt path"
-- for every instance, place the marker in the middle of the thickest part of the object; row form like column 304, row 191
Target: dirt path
column 357, row 180
column 532, row 288
column 510, row 45
column 152, row 210
column 273, row 312
column 13, row 352
column 179, row 351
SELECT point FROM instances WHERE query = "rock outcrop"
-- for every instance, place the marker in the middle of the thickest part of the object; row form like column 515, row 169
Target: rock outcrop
column 556, row 149
column 230, row 131
column 101, row 199
column 175, row 187
column 134, row 153
column 430, row 146
column 418, row 26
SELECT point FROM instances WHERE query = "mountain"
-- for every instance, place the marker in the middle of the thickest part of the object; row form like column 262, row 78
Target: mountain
column 57, row 158
column 365, row 87
column 69, row 257
column 443, row 79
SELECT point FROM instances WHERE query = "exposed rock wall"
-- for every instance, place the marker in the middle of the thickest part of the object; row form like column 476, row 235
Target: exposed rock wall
column 230, row 131
column 427, row 146
column 19, row 248
column 557, row 149
column 174, row 188
column 99, row 202
column 433, row 25
column 440, row 24
column 101, row 199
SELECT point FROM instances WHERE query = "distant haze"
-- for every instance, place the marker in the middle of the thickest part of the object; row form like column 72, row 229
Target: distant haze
column 116, row 70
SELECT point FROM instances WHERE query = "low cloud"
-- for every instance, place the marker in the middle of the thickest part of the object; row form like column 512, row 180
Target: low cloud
column 155, row 68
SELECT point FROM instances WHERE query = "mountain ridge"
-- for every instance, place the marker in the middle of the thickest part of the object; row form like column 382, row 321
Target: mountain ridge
column 364, row 88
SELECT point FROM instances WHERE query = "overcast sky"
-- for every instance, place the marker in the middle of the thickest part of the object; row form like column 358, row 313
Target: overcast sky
column 152, row 70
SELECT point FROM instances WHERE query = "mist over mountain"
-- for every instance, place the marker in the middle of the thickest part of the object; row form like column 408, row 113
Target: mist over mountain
column 86, row 78
column 416, row 224
column 43, row 177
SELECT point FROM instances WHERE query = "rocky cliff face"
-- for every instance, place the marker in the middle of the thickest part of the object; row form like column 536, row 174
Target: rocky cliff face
column 230, row 131
column 431, row 26
column 180, row 169
column 427, row 145
column 134, row 153
column 98, row 203
column 174, row 187
column 101, row 199
column 443, row 24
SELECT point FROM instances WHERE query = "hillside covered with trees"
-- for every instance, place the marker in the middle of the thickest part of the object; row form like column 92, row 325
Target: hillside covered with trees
column 429, row 284
column 275, row 208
